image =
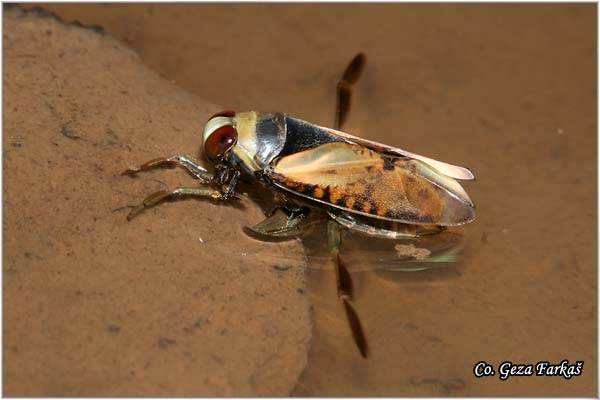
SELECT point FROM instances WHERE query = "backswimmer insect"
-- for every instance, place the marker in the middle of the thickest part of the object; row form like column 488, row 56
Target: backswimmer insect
column 363, row 186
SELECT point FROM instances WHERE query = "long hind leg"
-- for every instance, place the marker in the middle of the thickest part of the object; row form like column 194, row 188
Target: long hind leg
column 345, row 287
column 344, row 89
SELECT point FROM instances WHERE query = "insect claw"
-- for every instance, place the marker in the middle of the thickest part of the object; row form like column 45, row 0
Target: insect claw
column 131, row 171
column 135, row 211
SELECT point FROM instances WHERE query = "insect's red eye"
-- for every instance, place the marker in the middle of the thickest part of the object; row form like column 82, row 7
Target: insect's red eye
column 220, row 142
column 226, row 113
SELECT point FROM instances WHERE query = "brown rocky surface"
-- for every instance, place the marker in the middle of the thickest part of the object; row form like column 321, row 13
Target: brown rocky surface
column 177, row 302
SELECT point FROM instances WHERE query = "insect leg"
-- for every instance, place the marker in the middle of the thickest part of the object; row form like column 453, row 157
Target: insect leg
column 344, row 89
column 229, row 189
column 162, row 195
column 280, row 224
column 345, row 287
column 188, row 162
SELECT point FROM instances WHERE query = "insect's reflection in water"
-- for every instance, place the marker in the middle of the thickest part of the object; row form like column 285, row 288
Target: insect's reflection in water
column 409, row 254
column 423, row 261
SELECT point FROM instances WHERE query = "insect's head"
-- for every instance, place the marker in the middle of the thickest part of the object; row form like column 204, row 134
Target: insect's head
column 219, row 136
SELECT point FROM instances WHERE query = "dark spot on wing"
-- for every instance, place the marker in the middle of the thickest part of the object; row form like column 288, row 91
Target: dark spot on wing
column 358, row 204
column 310, row 190
column 411, row 216
column 388, row 164
column 326, row 195
column 314, row 191
column 373, row 209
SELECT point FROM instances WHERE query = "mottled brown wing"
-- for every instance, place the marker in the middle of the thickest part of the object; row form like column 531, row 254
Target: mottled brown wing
column 452, row 171
column 360, row 180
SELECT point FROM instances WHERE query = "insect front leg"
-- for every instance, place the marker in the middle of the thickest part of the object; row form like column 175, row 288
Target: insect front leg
column 188, row 162
column 345, row 287
column 162, row 195
column 282, row 223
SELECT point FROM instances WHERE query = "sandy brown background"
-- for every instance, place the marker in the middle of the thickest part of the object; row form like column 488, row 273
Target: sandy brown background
column 179, row 305
column 508, row 90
